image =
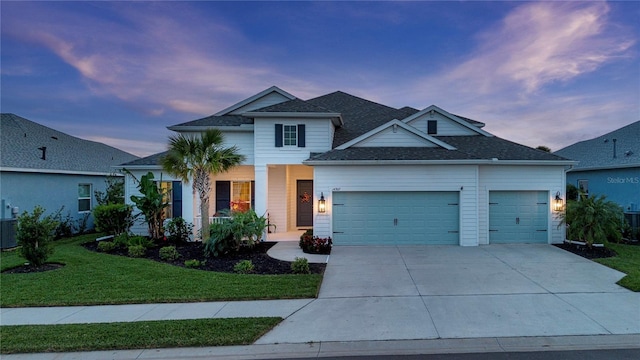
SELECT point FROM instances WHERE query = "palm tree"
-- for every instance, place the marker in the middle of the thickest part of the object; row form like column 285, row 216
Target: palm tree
column 193, row 157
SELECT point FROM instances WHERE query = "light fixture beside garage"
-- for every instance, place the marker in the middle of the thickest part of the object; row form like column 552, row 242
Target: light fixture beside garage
column 322, row 204
column 558, row 202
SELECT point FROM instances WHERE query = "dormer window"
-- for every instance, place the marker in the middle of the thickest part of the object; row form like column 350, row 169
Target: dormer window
column 290, row 135
column 432, row 127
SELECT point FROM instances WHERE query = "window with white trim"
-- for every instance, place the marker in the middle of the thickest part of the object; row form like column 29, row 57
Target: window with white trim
column 290, row 135
column 166, row 188
column 240, row 195
column 84, row 197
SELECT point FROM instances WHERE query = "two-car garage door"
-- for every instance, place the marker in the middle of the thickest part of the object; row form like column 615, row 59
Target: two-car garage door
column 370, row 218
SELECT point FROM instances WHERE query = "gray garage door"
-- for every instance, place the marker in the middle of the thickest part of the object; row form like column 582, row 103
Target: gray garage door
column 518, row 217
column 390, row 218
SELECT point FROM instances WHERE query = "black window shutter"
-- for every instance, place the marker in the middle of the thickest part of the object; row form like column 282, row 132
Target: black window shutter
column 253, row 194
column 176, row 199
column 432, row 127
column 278, row 135
column 223, row 195
column 301, row 135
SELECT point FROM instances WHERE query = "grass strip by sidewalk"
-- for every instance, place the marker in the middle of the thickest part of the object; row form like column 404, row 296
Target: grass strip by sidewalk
column 90, row 278
column 627, row 261
column 133, row 335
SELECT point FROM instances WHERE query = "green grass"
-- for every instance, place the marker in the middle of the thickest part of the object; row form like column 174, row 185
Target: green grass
column 133, row 335
column 90, row 278
column 627, row 261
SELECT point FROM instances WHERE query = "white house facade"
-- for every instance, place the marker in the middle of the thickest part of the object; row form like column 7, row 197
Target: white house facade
column 383, row 175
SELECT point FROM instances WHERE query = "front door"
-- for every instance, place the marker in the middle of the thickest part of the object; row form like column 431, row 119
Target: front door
column 304, row 201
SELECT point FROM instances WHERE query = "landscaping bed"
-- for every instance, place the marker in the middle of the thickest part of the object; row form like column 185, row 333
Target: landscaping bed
column 263, row 263
column 586, row 252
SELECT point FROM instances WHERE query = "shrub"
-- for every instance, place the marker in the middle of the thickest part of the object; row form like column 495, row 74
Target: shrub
column 137, row 251
column 315, row 245
column 34, row 234
column 244, row 267
column 138, row 240
column 300, row 266
column 192, row 264
column 243, row 229
column 593, row 220
column 121, row 240
column 113, row 219
column 82, row 224
column 106, row 246
column 169, row 253
column 179, row 230
column 65, row 226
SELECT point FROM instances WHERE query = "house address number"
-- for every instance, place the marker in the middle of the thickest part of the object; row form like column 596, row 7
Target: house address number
column 336, row 189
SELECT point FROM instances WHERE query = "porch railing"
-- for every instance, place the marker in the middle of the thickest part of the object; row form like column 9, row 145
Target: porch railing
column 197, row 221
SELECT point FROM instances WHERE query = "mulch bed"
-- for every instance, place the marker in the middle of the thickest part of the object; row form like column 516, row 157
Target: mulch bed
column 586, row 252
column 27, row 269
column 263, row 263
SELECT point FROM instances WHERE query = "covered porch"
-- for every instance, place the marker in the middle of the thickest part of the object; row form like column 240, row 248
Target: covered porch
column 282, row 193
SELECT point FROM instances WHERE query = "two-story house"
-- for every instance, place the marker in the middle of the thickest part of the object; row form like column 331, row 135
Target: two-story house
column 365, row 173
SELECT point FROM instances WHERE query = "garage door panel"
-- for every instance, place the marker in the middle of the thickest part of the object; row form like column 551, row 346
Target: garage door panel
column 364, row 218
column 518, row 216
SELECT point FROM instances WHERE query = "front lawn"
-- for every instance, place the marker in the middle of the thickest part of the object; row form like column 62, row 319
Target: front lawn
column 133, row 335
column 90, row 278
column 627, row 261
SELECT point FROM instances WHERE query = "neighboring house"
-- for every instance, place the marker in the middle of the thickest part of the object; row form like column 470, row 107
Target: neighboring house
column 386, row 175
column 42, row 166
column 609, row 165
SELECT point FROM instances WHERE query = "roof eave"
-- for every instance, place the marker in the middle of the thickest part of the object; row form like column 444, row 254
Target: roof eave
column 610, row 167
column 439, row 162
column 56, row 171
column 191, row 128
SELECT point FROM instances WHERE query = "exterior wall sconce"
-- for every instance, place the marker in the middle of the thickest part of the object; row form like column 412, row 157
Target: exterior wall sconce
column 322, row 204
column 558, row 202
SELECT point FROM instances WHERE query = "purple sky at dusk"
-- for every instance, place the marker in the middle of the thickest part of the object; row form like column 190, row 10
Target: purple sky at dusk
column 538, row 73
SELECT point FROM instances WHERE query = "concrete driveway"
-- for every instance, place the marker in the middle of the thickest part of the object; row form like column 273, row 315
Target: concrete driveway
column 430, row 292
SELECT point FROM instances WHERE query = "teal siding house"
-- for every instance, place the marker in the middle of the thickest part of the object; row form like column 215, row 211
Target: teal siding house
column 609, row 165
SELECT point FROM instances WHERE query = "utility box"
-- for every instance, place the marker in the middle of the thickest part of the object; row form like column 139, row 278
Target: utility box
column 8, row 233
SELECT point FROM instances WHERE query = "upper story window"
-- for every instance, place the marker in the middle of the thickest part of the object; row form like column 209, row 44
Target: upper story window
column 432, row 127
column 290, row 135
column 84, row 197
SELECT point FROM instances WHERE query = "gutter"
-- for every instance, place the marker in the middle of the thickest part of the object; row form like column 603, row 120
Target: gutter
column 55, row 171
column 438, row 162
column 230, row 128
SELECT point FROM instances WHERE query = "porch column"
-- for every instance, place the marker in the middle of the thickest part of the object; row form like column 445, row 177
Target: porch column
column 261, row 190
column 187, row 202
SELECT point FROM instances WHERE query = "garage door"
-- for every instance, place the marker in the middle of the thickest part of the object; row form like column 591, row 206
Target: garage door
column 391, row 218
column 518, row 217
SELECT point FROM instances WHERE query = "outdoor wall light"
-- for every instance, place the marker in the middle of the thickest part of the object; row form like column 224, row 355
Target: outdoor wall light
column 557, row 203
column 322, row 204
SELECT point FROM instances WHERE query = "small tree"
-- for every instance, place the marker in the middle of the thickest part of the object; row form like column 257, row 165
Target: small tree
column 593, row 220
column 35, row 235
column 151, row 204
column 114, row 193
column 193, row 158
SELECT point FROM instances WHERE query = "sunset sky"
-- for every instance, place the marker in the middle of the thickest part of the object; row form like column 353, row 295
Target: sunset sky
column 538, row 73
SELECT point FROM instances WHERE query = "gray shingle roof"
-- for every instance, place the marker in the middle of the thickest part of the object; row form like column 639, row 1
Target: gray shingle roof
column 21, row 139
column 147, row 160
column 224, row 120
column 467, row 148
column 598, row 152
column 359, row 115
column 295, row 105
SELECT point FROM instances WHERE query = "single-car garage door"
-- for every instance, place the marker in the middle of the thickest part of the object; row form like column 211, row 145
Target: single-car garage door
column 518, row 217
column 391, row 218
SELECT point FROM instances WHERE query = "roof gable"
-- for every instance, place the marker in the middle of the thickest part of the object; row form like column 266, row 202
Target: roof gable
column 268, row 97
column 448, row 124
column 395, row 133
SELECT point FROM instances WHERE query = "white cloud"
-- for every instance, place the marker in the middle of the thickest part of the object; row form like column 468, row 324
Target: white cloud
column 540, row 43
